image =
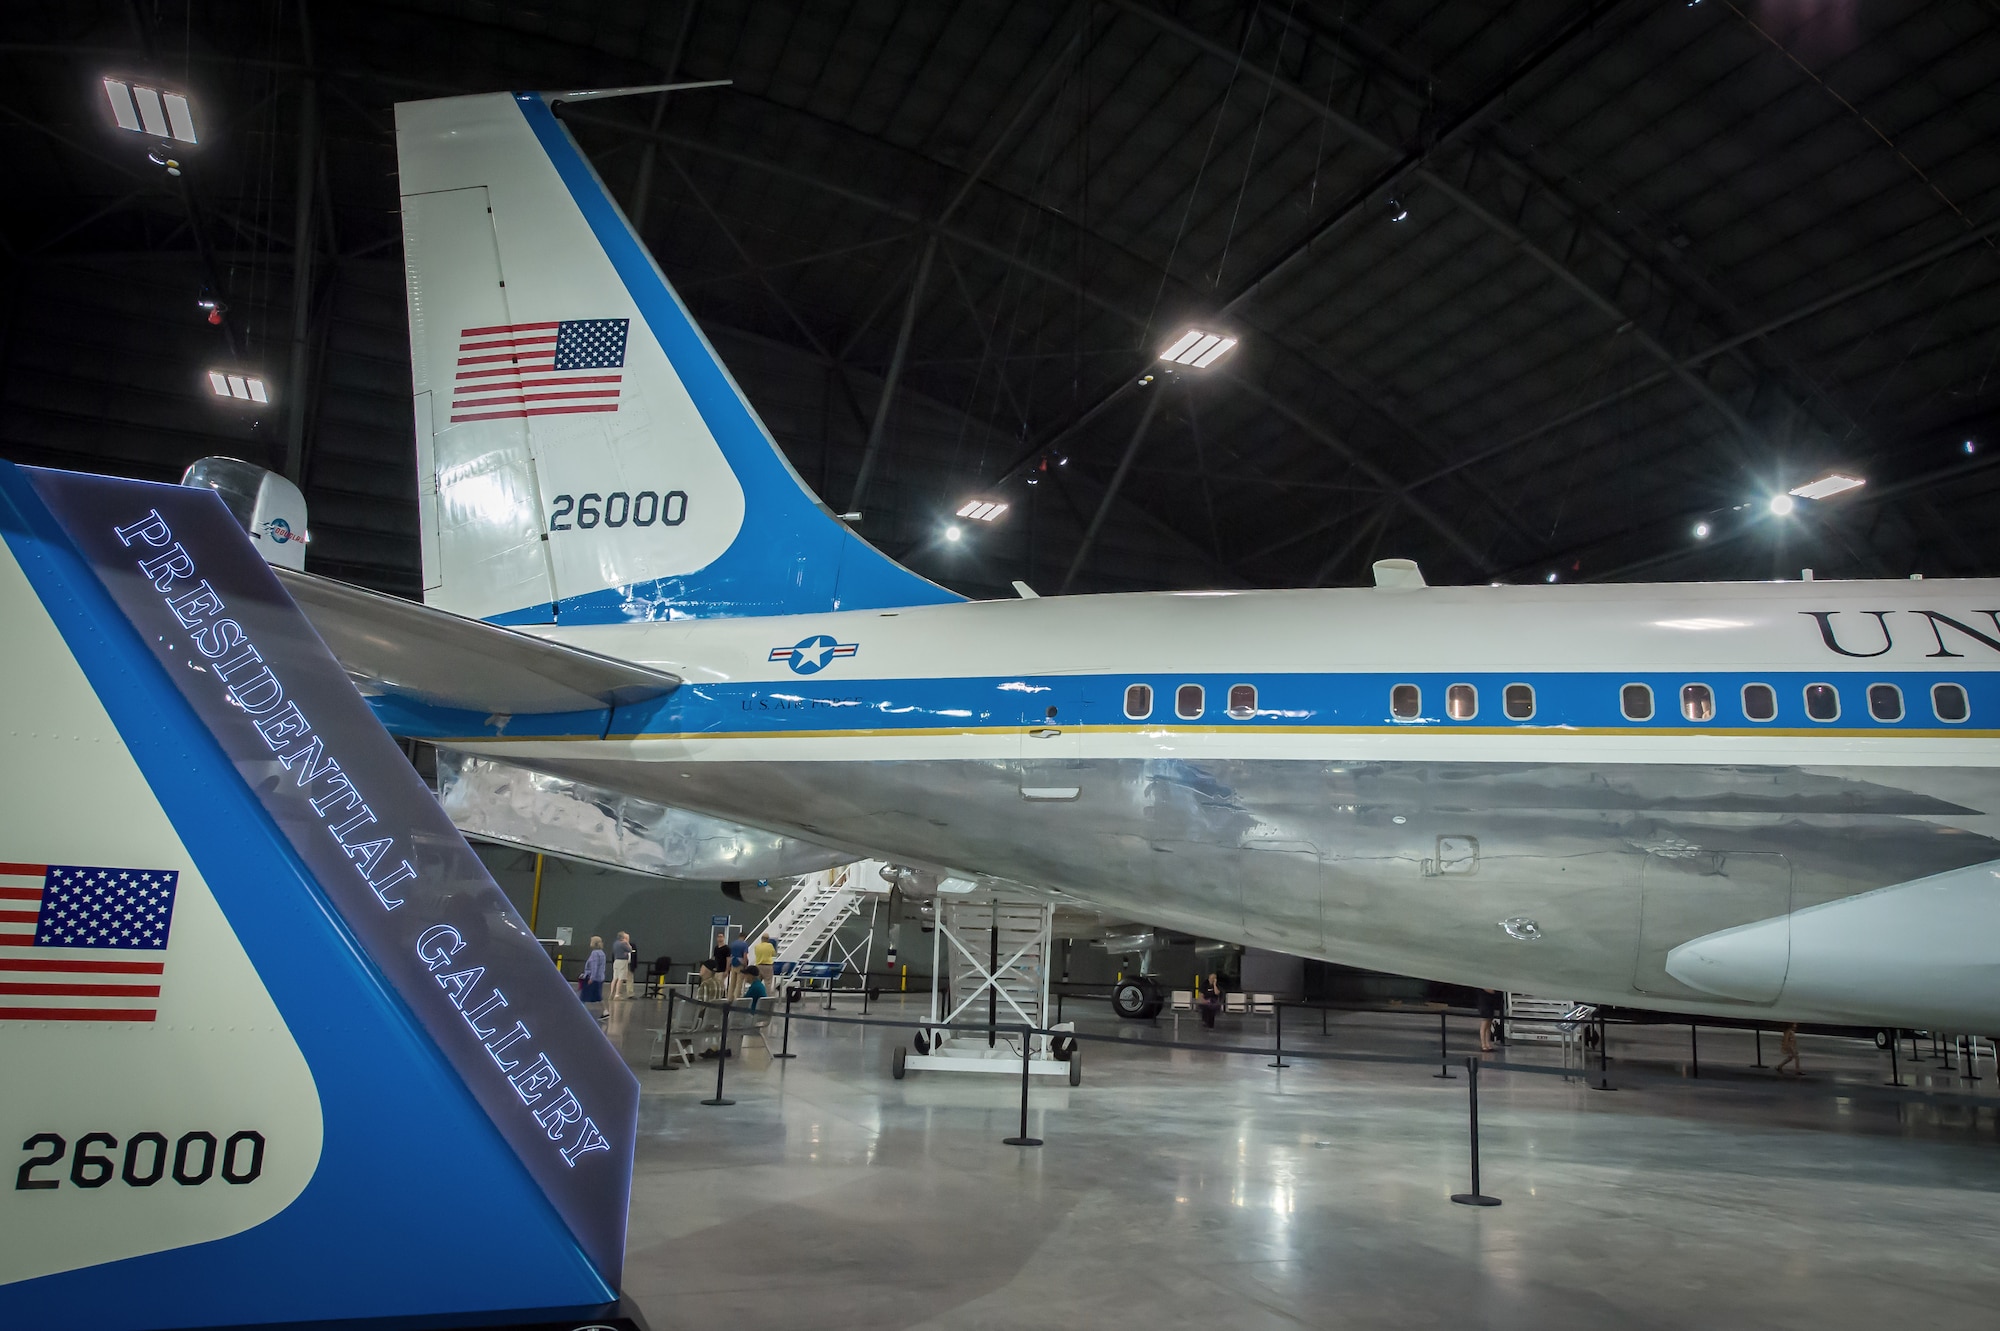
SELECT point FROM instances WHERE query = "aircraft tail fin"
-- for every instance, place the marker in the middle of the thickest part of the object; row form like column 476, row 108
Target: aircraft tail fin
column 583, row 454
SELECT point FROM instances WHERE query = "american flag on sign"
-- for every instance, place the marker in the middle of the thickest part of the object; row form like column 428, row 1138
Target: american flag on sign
column 510, row 371
column 75, row 941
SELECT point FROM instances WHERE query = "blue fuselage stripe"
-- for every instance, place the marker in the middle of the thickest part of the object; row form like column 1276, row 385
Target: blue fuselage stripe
column 1568, row 700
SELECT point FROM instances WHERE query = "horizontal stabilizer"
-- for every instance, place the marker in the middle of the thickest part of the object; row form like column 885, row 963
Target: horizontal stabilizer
column 431, row 656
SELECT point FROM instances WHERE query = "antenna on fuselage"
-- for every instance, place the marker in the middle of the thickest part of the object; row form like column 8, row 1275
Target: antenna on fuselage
column 1398, row 575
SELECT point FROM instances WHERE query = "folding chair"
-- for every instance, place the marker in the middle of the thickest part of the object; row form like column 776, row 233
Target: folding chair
column 1182, row 1001
column 679, row 1041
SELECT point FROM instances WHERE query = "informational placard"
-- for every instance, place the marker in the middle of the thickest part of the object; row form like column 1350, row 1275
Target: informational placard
column 809, row 970
column 273, row 1000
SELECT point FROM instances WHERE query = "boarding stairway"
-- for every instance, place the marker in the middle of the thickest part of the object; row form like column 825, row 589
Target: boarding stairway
column 1537, row 1020
column 1549, row 1021
column 806, row 924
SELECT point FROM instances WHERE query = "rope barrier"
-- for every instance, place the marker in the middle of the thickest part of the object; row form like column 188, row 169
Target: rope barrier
column 1629, row 1072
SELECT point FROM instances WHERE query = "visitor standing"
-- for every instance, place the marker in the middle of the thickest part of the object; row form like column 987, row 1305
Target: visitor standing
column 591, row 988
column 621, row 966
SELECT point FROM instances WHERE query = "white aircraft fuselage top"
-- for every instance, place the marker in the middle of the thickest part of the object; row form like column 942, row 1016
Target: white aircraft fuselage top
column 1577, row 646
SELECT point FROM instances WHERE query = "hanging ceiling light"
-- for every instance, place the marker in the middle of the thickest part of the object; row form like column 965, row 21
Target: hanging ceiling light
column 238, row 387
column 143, row 110
column 982, row 510
column 1397, row 212
column 1828, row 486
column 1198, row 348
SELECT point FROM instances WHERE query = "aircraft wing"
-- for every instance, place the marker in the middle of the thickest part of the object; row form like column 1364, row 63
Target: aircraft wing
column 431, row 656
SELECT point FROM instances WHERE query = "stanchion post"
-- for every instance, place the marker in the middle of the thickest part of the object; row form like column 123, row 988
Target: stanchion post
column 1603, row 1056
column 1444, row 1053
column 1278, row 1030
column 1475, row 1197
column 1694, row 1047
column 1971, row 1059
column 785, row 1043
column 1760, row 1048
column 1027, row 1042
column 1895, row 1074
column 721, row 1061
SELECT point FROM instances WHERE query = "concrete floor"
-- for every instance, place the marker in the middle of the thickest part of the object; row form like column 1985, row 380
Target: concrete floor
column 1197, row 1189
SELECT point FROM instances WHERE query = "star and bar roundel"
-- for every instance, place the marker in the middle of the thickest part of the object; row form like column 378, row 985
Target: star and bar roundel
column 809, row 656
column 83, row 942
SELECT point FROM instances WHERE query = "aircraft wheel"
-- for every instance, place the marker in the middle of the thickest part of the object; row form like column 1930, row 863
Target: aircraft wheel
column 898, row 1064
column 1882, row 1039
column 1076, row 1067
column 1137, row 999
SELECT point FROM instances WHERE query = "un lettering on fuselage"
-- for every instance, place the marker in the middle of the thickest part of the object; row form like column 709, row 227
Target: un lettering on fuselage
column 1873, row 633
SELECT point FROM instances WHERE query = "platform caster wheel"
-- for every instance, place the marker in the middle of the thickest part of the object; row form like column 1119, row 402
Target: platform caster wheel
column 1137, row 999
column 1076, row 1068
column 898, row 1063
column 795, row 994
column 875, row 993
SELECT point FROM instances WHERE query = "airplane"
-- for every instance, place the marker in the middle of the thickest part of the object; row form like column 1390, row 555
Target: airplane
column 1770, row 801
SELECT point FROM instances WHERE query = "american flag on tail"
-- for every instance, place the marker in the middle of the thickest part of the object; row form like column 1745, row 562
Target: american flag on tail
column 82, row 943
column 512, row 371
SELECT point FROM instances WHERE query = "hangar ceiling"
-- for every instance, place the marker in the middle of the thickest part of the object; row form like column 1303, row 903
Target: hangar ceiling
column 1522, row 290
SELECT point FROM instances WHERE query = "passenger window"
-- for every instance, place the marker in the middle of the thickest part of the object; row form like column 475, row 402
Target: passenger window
column 1948, row 701
column 1406, row 702
column 1518, row 701
column 1461, row 702
column 1138, row 701
column 1760, row 702
column 1187, row 702
column 1697, row 702
column 1885, row 702
column 1636, row 701
column 1242, row 701
column 1822, row 702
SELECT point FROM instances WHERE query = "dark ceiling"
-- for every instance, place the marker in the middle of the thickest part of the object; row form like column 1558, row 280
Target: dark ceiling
column 1522, row 289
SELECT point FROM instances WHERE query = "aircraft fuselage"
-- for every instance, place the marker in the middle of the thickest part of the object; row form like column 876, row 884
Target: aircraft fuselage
column 1460, row 783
